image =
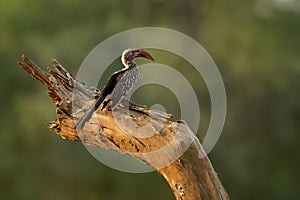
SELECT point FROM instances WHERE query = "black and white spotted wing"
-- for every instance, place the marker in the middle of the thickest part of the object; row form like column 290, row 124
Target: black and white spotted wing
column 123, row 86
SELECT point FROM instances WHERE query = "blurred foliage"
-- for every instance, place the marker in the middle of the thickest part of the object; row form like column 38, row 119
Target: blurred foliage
column 255, row 44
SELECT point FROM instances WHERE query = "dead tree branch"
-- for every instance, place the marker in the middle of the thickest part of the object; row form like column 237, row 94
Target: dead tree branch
column 190, row 175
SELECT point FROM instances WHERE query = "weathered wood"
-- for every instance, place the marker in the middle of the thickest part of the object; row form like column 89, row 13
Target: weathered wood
column 190, row 175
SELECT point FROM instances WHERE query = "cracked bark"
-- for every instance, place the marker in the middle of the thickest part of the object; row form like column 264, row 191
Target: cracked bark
column 168, row 146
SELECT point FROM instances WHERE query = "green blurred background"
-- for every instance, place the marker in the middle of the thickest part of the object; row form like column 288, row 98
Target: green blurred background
column 255, row 44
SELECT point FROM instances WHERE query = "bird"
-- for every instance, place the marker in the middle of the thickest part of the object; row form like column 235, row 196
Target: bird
column 118, row 84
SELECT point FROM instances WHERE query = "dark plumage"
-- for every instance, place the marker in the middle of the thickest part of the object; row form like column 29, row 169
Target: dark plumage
column 118, row 84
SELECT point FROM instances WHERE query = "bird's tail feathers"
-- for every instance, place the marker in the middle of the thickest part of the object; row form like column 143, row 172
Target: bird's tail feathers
column 89, row 113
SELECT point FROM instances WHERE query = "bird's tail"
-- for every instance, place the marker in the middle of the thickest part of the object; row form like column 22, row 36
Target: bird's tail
column 89, row 113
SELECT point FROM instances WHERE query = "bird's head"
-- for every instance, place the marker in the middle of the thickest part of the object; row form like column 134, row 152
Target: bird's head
column 130, row 54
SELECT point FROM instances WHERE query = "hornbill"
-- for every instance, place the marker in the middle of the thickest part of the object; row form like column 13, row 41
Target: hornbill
column 118, row 84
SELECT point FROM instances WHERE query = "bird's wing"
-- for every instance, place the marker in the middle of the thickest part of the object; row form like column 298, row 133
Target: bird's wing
column 119, row 91
column 124, row 84
column 111, row 82
column 108, row 89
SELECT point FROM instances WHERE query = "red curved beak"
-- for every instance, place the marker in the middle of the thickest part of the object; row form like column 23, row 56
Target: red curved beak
column 145, row 55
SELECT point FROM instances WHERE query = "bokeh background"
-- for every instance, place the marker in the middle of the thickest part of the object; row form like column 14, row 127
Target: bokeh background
column 255, row 44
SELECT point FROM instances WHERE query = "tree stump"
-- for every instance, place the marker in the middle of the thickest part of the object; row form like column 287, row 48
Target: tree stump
column 190, row 175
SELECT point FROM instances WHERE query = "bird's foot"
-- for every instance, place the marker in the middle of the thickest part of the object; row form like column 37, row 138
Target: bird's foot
column 130, row 104
column 143, row 109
